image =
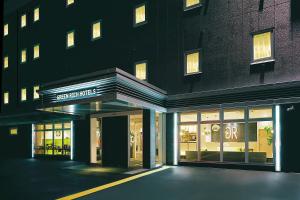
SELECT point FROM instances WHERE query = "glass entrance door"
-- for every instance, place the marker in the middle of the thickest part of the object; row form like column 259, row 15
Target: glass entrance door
column 136, row 140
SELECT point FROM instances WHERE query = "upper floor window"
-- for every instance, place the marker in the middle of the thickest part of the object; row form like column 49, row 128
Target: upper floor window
column 70, row 39
column 69, row 2
column 96, row 32
column 5, row 29
column 141, row 70
column 23, row 94
column 140, row 14
column 13, row 131
column 36, row 15
column 23, row 56
column 192, row 62
column 6, row 98
column 188, row 4
column 23, row 21
column 36, row 51
column 5, row 62
column 262, row 46
column 35, row 92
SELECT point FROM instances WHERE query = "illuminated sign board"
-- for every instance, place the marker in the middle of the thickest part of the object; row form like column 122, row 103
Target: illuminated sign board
column 74, row 95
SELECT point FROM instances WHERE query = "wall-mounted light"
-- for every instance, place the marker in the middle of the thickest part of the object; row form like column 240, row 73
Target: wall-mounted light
column 175, row 141
column 278, row 139
column 32, row 140
column 72, row 141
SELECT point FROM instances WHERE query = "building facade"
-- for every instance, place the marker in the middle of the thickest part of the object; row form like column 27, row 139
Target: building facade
column 148, row 83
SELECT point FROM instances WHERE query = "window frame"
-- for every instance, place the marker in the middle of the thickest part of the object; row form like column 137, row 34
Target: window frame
column 13, row 128
column 5, row 68
column 185, row 8
column 67, row 39
column 263, row 60
column 23, row 62
column 186, row 53
column 21, row 99
column 141, row 62
column 68, row 5
column 92, row 30
column 134, row 15
column 38, row 44
column 4, row 93
column 21, row 24
column 39, row 16
column 33, row 97
column 4, row 29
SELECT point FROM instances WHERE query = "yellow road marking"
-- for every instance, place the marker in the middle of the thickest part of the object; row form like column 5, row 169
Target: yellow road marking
column 109, row 185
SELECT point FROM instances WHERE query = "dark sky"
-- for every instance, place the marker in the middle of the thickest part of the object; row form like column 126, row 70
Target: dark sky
column 10, row 5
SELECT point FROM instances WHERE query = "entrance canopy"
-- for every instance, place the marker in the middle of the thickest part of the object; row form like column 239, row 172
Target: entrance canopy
column 106, row 91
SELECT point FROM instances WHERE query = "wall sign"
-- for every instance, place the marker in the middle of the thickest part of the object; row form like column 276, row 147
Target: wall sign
column 80, row 94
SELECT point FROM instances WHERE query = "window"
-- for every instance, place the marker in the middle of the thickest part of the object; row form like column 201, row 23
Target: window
column 140, row 14
column 70, row 39
column 36, row 51
column 188, row 117
column 23, row 21
column 6, row 98
column 52, row 139
column 262, row 46
column 233, row 114
column 23, row 94
column 141, row 70
column 5, row 29
column 24, row 56
column 210, row 116
column 35, row 92
column 96, row 34
column 13, row 131
column 69, row 2
column 36, row 15
column 188, row 142
column 5, row 62
column 188, row 4
column 192, row 62
column 259, row 113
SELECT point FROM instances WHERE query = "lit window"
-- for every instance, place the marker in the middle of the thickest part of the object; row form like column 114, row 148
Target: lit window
column 70, row 39
column 141, row 70
column 5, row 62
column 5, row 29
column 13, row 131
column 231, row 114
column 96, row 30
column 23, row 21
column 262, row 46
column 259, row 113
column 210, row 116
column 192, row 62
column 23, row 94
column 36, row 51
column 140, row 14
column 35, row 92
column 191, row 3
column 188, row 117
column 69, row 2
column 6, row 98
column 24, row 56
column 36, row 16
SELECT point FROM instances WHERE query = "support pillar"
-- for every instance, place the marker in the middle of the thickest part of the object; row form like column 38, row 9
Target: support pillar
column 149, row 139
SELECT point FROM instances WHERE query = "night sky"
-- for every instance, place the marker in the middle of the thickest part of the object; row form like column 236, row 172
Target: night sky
column 10, row 5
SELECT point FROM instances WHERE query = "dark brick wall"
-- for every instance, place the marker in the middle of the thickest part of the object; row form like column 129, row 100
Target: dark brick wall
column 225, row 29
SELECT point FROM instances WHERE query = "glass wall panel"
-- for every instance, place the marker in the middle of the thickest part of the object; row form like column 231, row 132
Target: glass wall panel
column 210, row 142
column 188, row 117
column 136, row 140
column 39, row 147
column 188, row 142
column 49, row 142
column 67, row 142
column 233, row 114
column 256, row 113
column 260, row 142
column 234, row 142
column 58, row 142
column 210, row 116
column 159, row 139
